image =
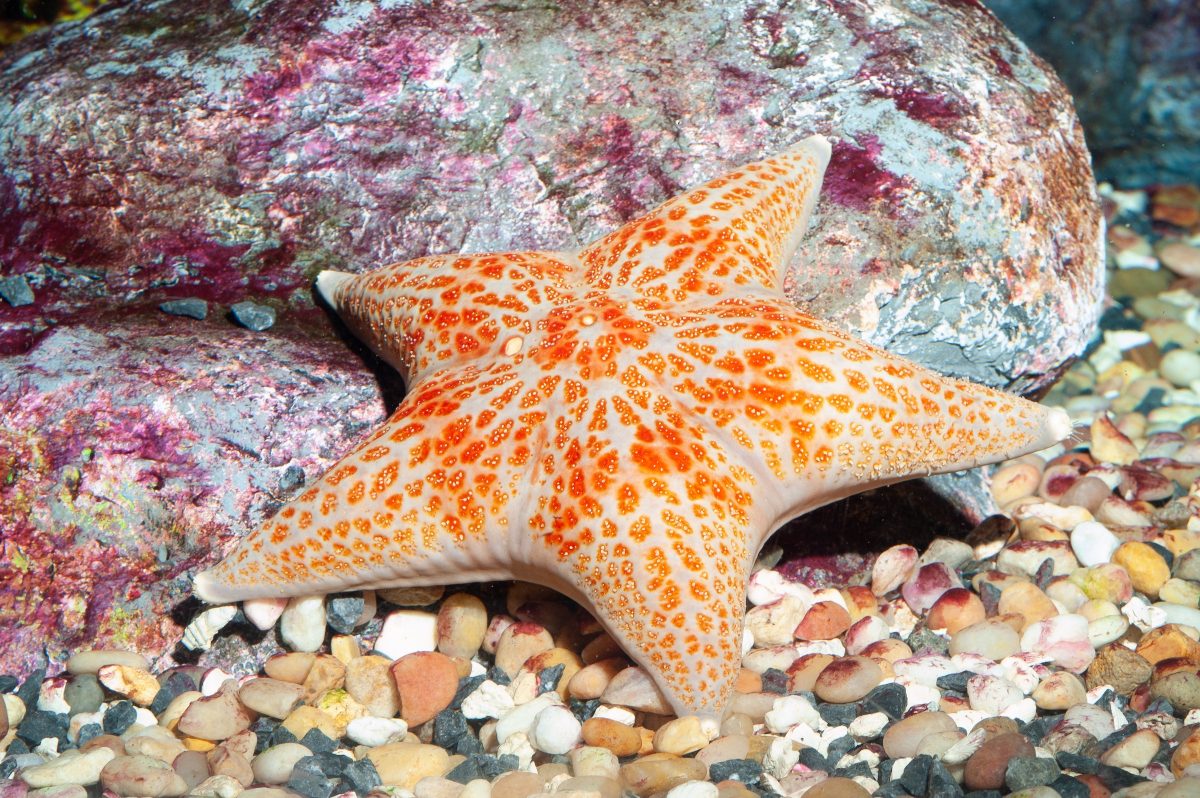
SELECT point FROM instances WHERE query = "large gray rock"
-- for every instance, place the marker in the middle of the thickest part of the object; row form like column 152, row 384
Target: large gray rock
column 228, row 151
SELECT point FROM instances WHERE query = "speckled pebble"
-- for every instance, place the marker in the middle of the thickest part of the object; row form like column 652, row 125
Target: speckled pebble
column 142, row 776
column 253, row 316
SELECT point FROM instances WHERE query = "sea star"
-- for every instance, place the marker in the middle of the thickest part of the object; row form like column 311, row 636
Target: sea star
column 626, row 424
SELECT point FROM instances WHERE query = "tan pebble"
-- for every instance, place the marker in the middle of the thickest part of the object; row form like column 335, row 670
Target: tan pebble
column 155, row 741
column 1013, row 482
column 747, row 681
column 426, row 682
column 70, row 768
column 955, row 610
column 224, row 762
column 421, row 596
column 369, row 681
column 461, row 624
column 1186, row 787
column 341, row 707
column 591, row 680
column 137, row 684
column 658, row 773
column 118, row 745
column 517, row 784
column 274, row 765
column 803, row 673
column 1181, row 258
column 1117, row 666
column 266, row 792
column 847, row 679
column 991, row 638
column 995, row 726
column 985, row 769
column 1060, row 690
column 327, row 673
column 244, row 743
column 939, row 743
column 344, row 648
column 594, row 760
column 1027, row 600
column 1186, row 755
column 1168, row 642
column 904, row 736
column 1035, row 529
column 1110, row 445
column 292, row 666
column 215, row 717
column 169, row 717
column 890, row 648
column 622, row 740
column 997, row 579
column 437, row 787
column 736, row 724
column 1135, row 751
column 193, row 766
column 1147, row 569
column 304, row 718
column 405, row 764
column 724, row 748
column 680, row 736
column 837, row 787
column 1181, row 541
column 519, row 642
column 218, row 787
column 774, row 623
column 1095, row 609
column 552, row 658
column 142, row 776
column 93, row 660
column 1087, row 492
column 633, row 688
column 1180, row 591
column 732, row 788
column 824, row 620
column 271, row 697
column 860, row 601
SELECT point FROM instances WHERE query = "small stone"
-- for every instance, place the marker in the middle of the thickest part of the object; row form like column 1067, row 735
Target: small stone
column 825, row 620
column 426, row 682
column 292, row 666
column 137, row 684
column 904, row 736
column 369, row 681
column 1181, row 689
column 658, row 773
column 682, row 735
column 1014, row 481
column 327, row 673
column 215, row 717
column 1168, row 642
column 271, row 697
column 1110, row 445
column 1063, row 639
column 372, row 731
column 893, row 568
column 461, row 624
column 847, row 679
column 82, row 694
column 991, row 638
column 308, row 780
column 343, row 610
column 1135, row 751
column 154, row 741
column 927, row 584
column 992, row 694
column 142, row 776
column 216, row 787
column 264, row 612
column 274, row 765
column 93, row 660
column 985, row 770
column 361, row 776
column 1187, row 755
column 774, row 623
column 119, row 717
column 302, row 624
column 405, row 632
column 1059, row 691
column 303, row 719
column 70, row 768
column 191, row 307
column 622, row 740
column 222, row 761
column 1025, row 772
column 592, row 680
column 404, row 764
column 633, row 688
column 1147, row 569
column 254, row 316
column 519, row 642
column 693, row 789
column 341, row 708
column 955, row 610
column 555, row 730
column 1027, row 600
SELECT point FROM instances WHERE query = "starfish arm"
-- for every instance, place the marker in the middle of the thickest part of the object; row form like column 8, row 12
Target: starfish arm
column 822, row 415
column 425, row 500
column 442, row 311
column 734, row 234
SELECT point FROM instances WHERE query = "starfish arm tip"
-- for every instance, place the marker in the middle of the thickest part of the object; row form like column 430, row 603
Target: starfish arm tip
column 1058, row 425
column 204, row 587
column 328, row 282
column 818, row 146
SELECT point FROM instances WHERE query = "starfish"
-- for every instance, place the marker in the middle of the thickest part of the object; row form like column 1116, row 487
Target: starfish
column 626, row 424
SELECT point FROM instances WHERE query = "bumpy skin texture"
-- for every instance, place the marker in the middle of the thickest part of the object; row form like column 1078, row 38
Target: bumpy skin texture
column 626, row 424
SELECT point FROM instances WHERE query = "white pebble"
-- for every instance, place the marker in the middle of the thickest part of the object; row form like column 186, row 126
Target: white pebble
column 302, row 624
column 488, row 700
column 868, row 726
column 199, row 634
column 619, row 714
column 263, row 612
column 50, row 696
column 555, row 730
column 519, row 720
column 693, row 789
column 70, row 768
column 1180, row 367
column 781, row 757
column 372, row 731
column 406, row 632
column 791, row 710
column 518, row 745
column 1093, row 544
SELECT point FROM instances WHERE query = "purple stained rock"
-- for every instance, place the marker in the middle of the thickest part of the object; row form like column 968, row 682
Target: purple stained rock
column 227, row 152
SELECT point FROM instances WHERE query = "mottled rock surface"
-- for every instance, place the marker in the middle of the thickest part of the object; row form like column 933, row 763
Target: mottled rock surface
column 226, row 152
column 1133, row 67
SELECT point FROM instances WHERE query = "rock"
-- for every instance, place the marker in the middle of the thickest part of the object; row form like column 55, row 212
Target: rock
column 274, row 765
column 373, row 731
column 369, row 680
column 253, row 316
column 1168, row 642
column 405, row 632
column 904, row 736
column 1181, row 688
column 592, row 680
column 137, row 684
column 215, row 717
column 192, row 308
column 837, row 787
column 264, row 612
column 1135, row 751
column 142, row 776
column 1014, row 481
column 927, row 584
column 555, row 731
column 1059, row 691
column 992, row 694
column 154, row 741
column 892, row 568
column 825, row 620
column 426, row 682
column 774, row 623
column 461, row 623
column 302, row 624
column 92, row 660
column 680, row 736
column 270, row 697
column 955, row 610
column 404, row 764
column 519, row 642
column 1002, row 316
column 292, row 667
column 1186, row 755
column 1063, row 639
column 694, row 789
column 1028, row 601
column 622, row 740
column 990, row 638
column 847, row 679
column 1026, row 772
column 985, row 770
column 70, row 768
column 633, row 688
column 304, row 719
column 658, row 773
column 1093, row 543
column 1148, row 571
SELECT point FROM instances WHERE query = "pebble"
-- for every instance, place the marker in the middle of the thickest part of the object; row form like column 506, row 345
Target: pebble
column 274, row 765
column 926, row 584
column 214, row 717
column 774, row 623
column 634, row 688
column 302, row 623
column 406, row 632
column 904, row 736
column 369, row 681
column 892, row 568
column 142, row 776
column 292, row 666
column 404, row 764
column 82, row 694
column 73, row 767
column 1062, row 639
column 253, row 316
column 658, row 773
column 191, row 307
column 1147, row 570
column 1135, row 751
column 825, row 620
column 91, row 661
column 1027, row 600
column 592, row 680
column 837, row 787
column 461, row 624
column 990, row 638
column 683, row 735
column 1059, row 691
column 619, row 738
column 1093, row 543
column 847, row 679
column 555, row 730
column 693, row 789
column 955, row 610
column 16, row 291
column 426, row 682
column 264, row 612
column 985, row 770
column 270, row 697
column 519, row 642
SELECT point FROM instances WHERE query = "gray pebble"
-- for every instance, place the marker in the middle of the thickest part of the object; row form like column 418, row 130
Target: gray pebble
column 1030, row 771
column 16, row 290
column 83, row 693
column 192, row 308
column 253, row 316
